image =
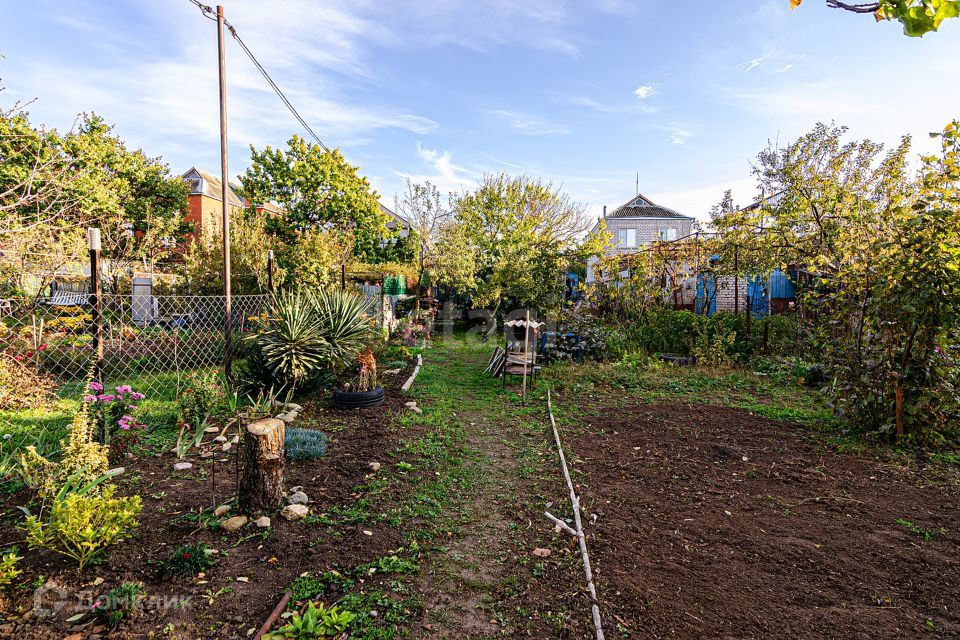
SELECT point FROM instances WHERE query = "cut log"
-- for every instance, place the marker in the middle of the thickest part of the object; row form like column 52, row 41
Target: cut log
column 261, row 485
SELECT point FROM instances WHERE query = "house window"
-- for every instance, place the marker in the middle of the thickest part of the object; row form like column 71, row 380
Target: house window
column 627, row 237
column 668, row 234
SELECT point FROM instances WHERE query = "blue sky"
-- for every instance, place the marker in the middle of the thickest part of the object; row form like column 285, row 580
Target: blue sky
column 586, row 94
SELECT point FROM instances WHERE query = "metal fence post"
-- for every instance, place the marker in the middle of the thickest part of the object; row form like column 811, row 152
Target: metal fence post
column 96, row 313
column 270, row 270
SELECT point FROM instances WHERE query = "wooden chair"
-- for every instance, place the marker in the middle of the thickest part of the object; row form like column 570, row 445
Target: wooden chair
column 520, row 349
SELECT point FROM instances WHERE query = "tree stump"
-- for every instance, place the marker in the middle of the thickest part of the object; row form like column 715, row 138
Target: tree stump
column 261, row 485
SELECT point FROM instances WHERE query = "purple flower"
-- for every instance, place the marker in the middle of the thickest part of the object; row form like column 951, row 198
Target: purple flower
column 96, row 386
column 89, row 398
column 122, row 389
column 137, row 396
column 109, row 397
column 132, row 407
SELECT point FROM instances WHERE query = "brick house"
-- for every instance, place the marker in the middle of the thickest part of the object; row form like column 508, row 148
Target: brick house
column 638, row 223
column 203, row 204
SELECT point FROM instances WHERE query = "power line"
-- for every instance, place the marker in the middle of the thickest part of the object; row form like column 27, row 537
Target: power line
column 210, row 14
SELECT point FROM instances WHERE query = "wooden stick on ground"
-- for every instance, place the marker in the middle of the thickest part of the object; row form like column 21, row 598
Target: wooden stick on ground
column 274, row 615
column 575, row 501
column 409, row 383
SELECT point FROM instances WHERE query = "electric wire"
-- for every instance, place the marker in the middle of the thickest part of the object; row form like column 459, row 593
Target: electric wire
column 210, row 14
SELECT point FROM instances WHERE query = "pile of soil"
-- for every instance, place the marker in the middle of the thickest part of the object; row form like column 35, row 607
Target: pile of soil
column 254, row 567
column 712, row 522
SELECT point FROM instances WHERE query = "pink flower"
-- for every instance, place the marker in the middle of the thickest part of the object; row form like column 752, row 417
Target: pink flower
column 42, row 347
column 18, row 358
column 132, row 407
column 96, row 386
column 123, row 389
column 89, row 398
column 137, row 396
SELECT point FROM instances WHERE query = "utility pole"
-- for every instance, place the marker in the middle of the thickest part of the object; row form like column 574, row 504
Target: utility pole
column 224, row 190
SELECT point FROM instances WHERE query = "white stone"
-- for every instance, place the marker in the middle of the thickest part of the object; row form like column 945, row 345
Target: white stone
column 182, row 466
column 220, row 439
column 234, row 523
column 225, row 446
column 262, row 522
column 221, row 510
column 540, row 552
column 211, row 430
column 288, row 417
column 235, row 440
column 293, row 512
column 416, row 409
column 375, row 466
column 294, row 406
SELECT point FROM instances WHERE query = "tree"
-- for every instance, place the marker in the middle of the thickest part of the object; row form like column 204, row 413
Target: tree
column 883, row 249
column 315, row 257
column 316, row 188
column 203, row 263
column 512, row 239
column 53, row 186
column 134, row 199
column 421, row 206
column 917, row 16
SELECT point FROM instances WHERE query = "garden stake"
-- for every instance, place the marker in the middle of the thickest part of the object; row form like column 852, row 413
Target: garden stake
column 581, row 538
column 526, row 355
column 899, row 408
column 277, row 610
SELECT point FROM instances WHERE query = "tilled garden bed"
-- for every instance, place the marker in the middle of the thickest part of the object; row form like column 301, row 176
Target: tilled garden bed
column 712, row 522
column 253, row 566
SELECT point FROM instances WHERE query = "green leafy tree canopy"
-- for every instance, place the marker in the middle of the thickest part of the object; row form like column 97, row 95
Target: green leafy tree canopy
column 316, row 188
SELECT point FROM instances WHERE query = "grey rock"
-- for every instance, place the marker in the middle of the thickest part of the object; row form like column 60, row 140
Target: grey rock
column 262, row 522
column 298, row 497
column 182, row 466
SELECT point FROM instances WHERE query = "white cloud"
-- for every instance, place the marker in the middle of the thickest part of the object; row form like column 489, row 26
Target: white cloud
column 644, row 91
column 750, row 65
column 526, row 124
column 441, row 171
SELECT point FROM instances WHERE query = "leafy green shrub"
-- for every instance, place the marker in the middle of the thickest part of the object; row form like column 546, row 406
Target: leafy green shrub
column 202, row 395
column 307, row 587
column 82, row 460
column 189, row 560
column 304, row 444
column 663, row 330
column 81, row 525
column 316, row 621
column 8, row 567
column 120, row 602
column 782, row 336
column 398, row 352
column 713, row 348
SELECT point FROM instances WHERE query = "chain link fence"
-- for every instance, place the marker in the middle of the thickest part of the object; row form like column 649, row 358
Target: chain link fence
column 150, row 342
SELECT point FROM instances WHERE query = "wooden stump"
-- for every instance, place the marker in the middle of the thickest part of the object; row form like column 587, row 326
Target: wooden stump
column 261, row 486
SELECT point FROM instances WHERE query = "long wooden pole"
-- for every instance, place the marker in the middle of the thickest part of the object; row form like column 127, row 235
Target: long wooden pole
column 526, row 355
column 224, row 195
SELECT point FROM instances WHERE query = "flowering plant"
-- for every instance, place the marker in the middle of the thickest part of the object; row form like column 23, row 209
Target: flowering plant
column 117, row 409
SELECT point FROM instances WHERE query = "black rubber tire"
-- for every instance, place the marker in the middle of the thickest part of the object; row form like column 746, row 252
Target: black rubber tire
column 358, row 399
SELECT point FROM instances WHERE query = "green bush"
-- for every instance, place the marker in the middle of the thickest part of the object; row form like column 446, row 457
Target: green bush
column 199, row 399
column 119, row 603
column 81, row 525
column 304, row 444
column 189, row 559
column 8, row 567
column 317, row 621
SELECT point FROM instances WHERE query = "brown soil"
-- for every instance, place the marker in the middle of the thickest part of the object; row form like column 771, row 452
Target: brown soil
column 268, row 562
column 712, row 522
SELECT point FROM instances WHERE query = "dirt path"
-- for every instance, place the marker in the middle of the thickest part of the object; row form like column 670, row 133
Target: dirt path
column 459, row 584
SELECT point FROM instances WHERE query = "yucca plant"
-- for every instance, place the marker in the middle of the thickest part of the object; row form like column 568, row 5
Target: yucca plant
column 344, row 318
column 292, row 344
column 305, row 336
